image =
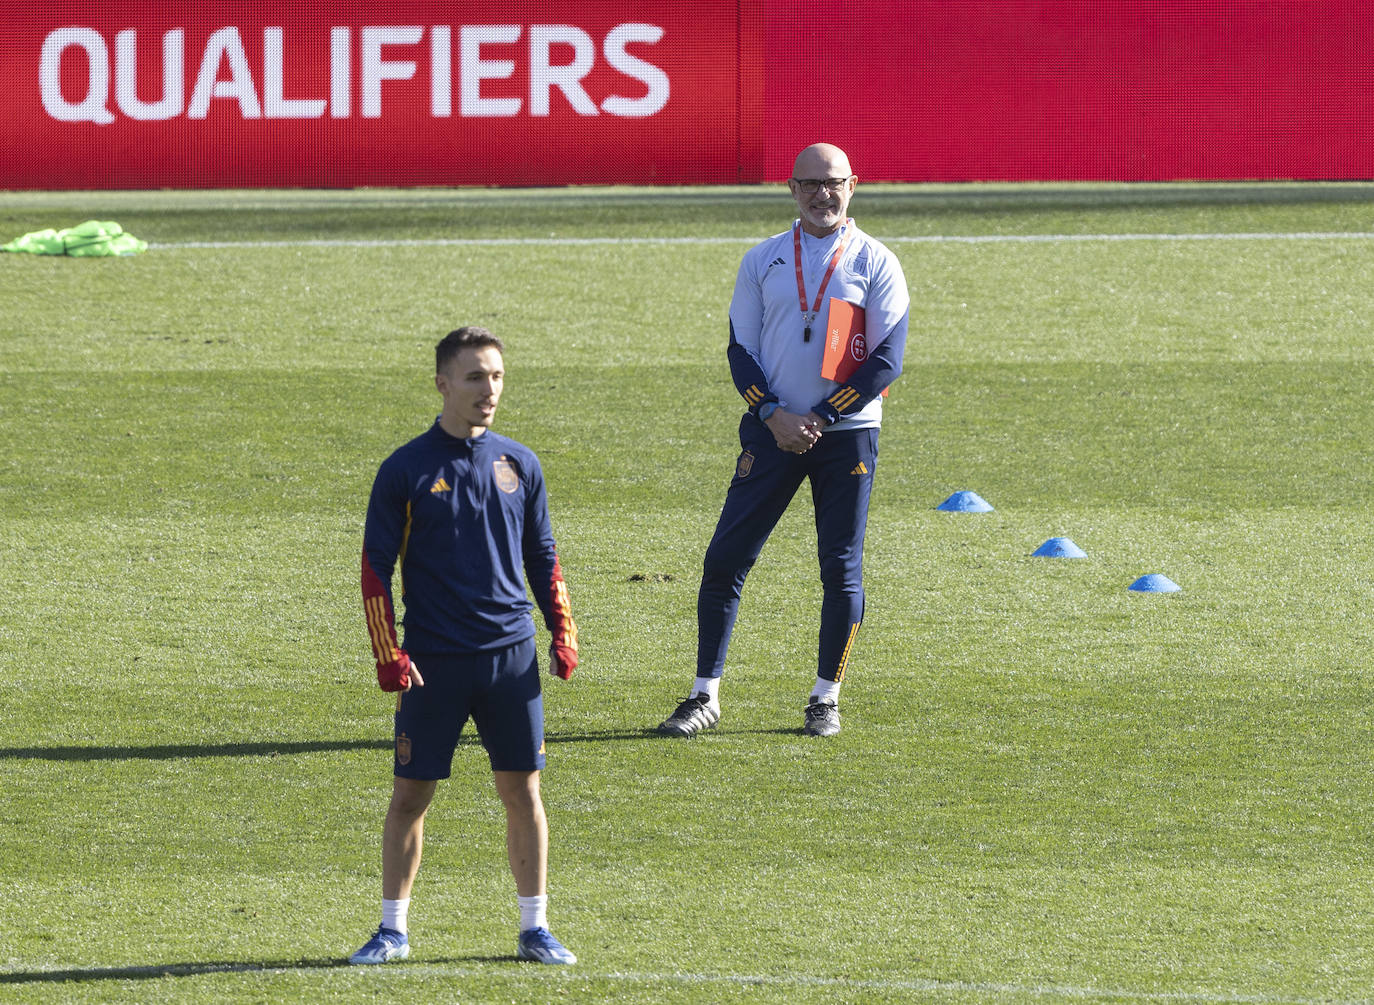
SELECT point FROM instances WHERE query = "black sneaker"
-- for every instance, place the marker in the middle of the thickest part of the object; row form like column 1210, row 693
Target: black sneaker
column 691, row 717
column 822, row 719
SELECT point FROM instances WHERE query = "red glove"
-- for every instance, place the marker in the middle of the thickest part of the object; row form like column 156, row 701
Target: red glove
column 396, row 675
column 562, row 660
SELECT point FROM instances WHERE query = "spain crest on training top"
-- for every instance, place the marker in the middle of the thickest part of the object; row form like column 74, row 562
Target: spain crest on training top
column 506, row 478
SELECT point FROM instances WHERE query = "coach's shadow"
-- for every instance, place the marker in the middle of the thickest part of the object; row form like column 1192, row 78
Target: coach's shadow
column 652, row 733
column 602, row 736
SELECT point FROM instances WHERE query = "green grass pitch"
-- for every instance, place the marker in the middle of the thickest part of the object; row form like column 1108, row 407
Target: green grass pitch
column 1047, row 787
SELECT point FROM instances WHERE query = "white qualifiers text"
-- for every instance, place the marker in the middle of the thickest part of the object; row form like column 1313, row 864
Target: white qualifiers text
column 383, row 55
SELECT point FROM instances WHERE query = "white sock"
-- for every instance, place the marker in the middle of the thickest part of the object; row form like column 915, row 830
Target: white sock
column 534, row 912
column 709, row 686
column 394, row 914
column 826, row 691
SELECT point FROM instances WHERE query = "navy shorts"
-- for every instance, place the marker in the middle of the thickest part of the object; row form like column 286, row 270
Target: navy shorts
column 499, row 690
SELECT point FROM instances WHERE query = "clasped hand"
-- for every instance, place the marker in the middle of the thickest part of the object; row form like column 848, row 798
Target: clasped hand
column 794, row 434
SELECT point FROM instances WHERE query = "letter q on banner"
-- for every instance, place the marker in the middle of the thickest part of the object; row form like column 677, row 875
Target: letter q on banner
column 94, row 107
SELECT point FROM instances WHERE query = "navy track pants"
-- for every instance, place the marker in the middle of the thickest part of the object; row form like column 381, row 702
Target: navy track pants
column 840, row 468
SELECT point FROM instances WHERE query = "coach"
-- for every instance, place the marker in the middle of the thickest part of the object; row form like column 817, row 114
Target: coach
column 818, row 326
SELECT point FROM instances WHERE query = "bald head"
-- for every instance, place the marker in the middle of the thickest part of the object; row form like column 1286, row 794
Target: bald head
column 821, row 160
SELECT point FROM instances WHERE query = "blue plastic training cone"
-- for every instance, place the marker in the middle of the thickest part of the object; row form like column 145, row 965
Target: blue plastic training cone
column 1155, row 583
column 1060, row 547
column 965, row 502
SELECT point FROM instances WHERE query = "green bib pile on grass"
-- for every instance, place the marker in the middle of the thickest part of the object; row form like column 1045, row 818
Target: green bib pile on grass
column 92, row 239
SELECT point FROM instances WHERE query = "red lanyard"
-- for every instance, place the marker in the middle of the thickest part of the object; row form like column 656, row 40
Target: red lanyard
column 810, row 316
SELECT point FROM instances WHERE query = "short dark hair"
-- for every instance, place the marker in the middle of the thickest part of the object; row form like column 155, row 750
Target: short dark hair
column 467, row 337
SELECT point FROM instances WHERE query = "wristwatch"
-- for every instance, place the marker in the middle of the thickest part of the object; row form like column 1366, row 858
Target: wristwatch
column 767, row 409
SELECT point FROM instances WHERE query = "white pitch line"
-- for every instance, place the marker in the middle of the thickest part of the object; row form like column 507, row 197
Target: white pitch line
column 485, row 242
column 455, row 242
column 927, row 985
column 416, row 969
column 1083, row 238
column 922, row 985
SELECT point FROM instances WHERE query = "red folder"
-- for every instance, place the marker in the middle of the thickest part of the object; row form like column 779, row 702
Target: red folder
column 845, row 344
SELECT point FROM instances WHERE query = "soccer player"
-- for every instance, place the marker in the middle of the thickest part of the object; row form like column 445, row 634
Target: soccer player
column 463, row 510
column 794, row 292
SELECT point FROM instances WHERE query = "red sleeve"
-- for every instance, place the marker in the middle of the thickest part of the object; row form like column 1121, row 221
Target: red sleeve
column 381, row 619
column 558, row 613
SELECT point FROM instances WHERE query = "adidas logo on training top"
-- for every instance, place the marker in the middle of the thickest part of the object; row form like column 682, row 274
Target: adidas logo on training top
column 439, row 486
column 776, row 261
column 862, row 469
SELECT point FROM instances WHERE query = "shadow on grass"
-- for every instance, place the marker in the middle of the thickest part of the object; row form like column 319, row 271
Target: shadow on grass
column 173, row 751
column 652, row 733
column 160, row 970
column 602, row 736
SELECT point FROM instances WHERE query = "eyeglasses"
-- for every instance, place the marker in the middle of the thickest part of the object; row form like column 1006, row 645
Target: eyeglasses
column 813, row 185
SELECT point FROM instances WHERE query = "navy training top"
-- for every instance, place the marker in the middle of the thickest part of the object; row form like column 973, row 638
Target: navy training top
column 461, row 518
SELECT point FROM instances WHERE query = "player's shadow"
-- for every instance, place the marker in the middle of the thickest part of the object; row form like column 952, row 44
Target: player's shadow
column 160, row 970
column 156, row 971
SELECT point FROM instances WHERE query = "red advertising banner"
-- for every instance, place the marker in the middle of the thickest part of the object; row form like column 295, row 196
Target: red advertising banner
column 511, row 92
column 151, row 94
column 1127, row 90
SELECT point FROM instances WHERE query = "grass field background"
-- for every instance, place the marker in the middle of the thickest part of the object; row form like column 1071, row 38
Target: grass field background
column 1047, row 787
